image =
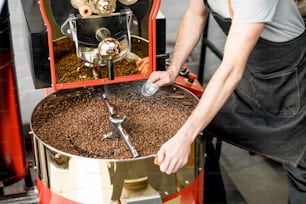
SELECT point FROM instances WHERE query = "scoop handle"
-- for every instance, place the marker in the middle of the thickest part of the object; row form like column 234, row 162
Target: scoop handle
column 110, row 66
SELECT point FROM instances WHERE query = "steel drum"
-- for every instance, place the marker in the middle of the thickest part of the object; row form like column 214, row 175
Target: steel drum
column 69, row 178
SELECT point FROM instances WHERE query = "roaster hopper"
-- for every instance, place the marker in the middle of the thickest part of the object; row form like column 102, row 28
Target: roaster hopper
column 50, row 22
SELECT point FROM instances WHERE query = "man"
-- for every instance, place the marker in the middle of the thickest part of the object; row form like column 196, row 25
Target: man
column 256, row 99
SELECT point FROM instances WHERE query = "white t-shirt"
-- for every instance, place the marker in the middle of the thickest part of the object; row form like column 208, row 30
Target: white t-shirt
column 1, row 5
column 282, row 18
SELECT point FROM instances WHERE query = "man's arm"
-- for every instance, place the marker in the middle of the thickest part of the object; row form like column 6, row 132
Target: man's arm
column 189, row 33
column 239, row 44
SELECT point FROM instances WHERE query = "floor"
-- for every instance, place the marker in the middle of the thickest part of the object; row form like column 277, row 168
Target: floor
column 248, row 178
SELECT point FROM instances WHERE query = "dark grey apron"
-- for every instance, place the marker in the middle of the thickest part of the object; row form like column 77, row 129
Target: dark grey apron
column 266, row 114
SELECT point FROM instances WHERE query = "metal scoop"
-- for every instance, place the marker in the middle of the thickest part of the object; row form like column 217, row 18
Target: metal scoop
column 116, row 126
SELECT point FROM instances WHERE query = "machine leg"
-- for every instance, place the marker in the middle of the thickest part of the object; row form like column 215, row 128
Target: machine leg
column 28, row 180
column 1, row 188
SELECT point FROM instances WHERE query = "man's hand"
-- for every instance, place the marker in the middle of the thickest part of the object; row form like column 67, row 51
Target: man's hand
column 173, row 154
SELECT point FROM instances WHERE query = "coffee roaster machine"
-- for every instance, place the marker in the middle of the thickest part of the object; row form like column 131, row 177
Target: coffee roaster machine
column 102, row 33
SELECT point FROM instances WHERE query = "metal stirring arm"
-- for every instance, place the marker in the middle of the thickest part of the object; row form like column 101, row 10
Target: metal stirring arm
column 116, row 121
column 116, row 127
column 110, row 107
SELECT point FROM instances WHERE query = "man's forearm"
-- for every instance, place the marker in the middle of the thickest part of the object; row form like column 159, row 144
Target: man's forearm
column 189, row 34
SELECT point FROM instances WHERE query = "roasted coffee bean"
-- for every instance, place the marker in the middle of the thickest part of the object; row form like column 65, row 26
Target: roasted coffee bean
column 69, row 68
column 76, row 122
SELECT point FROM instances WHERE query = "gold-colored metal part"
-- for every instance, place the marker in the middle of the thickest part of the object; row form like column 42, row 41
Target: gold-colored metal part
column 139, row 188
column 103, row 7
column 128, row 2
column 108, row 48
column 82, row 6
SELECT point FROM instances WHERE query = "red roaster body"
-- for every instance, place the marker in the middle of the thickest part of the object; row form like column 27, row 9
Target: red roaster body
column 12, row 152
column 48, row 169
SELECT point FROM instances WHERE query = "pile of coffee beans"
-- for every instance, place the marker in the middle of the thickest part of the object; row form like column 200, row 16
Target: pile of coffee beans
column 76, row 121
column 69, row 68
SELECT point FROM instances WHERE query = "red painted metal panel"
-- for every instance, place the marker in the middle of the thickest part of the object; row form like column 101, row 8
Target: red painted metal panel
column 12, row 151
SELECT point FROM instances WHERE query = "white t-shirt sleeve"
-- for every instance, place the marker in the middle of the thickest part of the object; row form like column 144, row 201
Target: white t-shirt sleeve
column 254, row 11
column 283, row 21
